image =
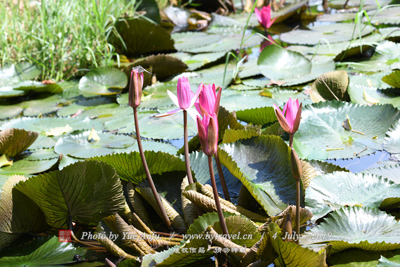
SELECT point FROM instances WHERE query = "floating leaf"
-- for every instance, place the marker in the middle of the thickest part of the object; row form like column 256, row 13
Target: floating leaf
column 390, row 172
column 386, row 16
column 148, row 37
column 322, row 133
column 392, row 141
column 261, row 164
column 330, row 86
column 163, row 66
column 85, row 192
column 27, row 167
column 393, row 79
column 189, row 40
column 278, row 63
column 14, row 141
column 53, row 252
column 79, row 146
column 356, row 227
column 130, row 167
column 199, row 60
column 288, row 253
column 261, row 116
column 332, row 33
column 18, row 214
column 330, row 192
column 103, row 81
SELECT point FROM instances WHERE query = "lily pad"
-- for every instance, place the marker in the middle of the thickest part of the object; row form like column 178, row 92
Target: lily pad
column 84, row 105
column 365, row 95
column 53, row 252
column 388, row 15
column 392, row 172
column 79, row 146
column 356, row 227
column 148, row 38
column 103, row 81
column 130, row 167
column 189, row 40
column 27, row 167
column 261, row 116
column 330, row 86
column 163, row 66
column 12, row 75
column 262, row 165
column 199, row 60
column 392, row 141
column 86, row 192
column 321, row 129
column 14, row 141
column 385, row 58
column 393, row 79
column 277, row 63
column 330, row 192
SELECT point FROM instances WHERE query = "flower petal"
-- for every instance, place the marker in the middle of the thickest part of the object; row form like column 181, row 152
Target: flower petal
column 169, row 113
column 173, row 98
column 192, row 113
column 282, row 120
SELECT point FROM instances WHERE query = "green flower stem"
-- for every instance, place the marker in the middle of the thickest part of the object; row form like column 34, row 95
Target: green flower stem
column 297, row 196
column 222, row 178
column 216, row 197
column 186, row 144
column 298, row 210
column 146, row 169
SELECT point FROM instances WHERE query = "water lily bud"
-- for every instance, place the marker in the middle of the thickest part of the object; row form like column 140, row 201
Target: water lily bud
column 208, row 133
column 184, row 93
column 135, row 88
column 289, row 118
column 296, row 165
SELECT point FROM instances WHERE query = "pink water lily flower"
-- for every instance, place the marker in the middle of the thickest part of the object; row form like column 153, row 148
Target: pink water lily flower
column 290, row 117
column 185, row 99
column 208, row 133
column 208, row 101
column 264, row 16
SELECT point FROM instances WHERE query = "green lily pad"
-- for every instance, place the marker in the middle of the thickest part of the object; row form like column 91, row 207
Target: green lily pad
column 18, row 213
column 12, row 75
column 358, row 257
column 148, row 38
column 42, row 106
column 372, row 81
column 319, row 66
column 261, row 116
column 356, row 227
column 261, row 164
column 14, row 141
column 103, row 81
column 84, row 105
column 393, row 79
column 288, row 252
column 322, row 132
column 10, row 111
column 53, row 252
column 163, row 66
column 86, row 192
column 354, row 3
column 337, row 17
column 332, row 33
column 38, row 87
column 392, row 141
column 172, row 127
column 228, row 43
column 27, row 167
column 366, row 95
column 249, row 69
column 213, row 75
column 330, row 192
column 391, row 172
column 197, row 61
column 130, row 167
column 392, row 262
column 189, row 40
column 385, row 58
column 235, row 100
column 278, row 63
column 386, row 16
column 330, row 86
column 78, row 146
column 39, row 154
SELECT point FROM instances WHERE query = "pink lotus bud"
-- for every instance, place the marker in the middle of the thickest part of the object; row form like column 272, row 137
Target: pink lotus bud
column 208, row 101
column 290, row 118
column 184, row 93
column 135, row 88
column 264, row 16
column 208, row 133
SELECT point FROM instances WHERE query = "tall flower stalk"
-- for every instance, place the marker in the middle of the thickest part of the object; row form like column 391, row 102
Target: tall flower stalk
column 289, row 119
column 135, row 95
column 208, row 136
column 185, row 101
column 208, row 103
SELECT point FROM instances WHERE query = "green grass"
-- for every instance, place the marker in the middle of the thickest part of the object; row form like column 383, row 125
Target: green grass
column 59, row 36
